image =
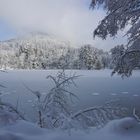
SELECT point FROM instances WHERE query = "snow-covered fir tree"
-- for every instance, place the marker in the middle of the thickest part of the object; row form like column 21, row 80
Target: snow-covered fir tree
column 116, row 54
column 89, row 57
column 122, row 13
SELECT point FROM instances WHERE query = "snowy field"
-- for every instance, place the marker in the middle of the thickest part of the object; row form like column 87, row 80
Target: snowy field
column 93, row 88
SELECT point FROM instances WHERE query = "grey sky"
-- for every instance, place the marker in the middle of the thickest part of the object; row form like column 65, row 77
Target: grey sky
column 67, row 19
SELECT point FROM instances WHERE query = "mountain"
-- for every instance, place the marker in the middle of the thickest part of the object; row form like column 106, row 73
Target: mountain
column 34, row 39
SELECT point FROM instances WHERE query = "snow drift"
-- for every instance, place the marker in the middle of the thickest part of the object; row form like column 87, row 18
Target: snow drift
column 123, row 129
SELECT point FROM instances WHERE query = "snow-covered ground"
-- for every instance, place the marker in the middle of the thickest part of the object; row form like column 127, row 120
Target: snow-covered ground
column 124, row 129
column 93, row 87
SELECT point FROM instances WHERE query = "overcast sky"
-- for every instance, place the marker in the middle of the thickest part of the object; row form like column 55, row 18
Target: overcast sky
column 67, row 19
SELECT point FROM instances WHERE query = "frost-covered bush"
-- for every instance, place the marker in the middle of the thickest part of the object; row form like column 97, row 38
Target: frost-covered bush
column 100, row 115
column 54, row 108
column 9, row 112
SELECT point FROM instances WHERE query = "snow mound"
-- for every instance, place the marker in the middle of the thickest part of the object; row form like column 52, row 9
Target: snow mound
column 22, row 130
column 123, row 126
column 7, row 118
column 25, row 127
column 5, row 135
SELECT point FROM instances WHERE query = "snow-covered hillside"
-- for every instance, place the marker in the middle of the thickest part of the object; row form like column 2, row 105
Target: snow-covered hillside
column 33, row 39
column 41, row 51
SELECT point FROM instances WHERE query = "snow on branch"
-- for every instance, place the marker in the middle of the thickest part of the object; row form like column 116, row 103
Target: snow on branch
column 99, row 116
column 127, row 62
column 135, row 115
column 56, row 103
column 11, row 108
column 121, row 14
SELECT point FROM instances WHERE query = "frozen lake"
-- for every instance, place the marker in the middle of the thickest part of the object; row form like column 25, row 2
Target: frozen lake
column 93, row 87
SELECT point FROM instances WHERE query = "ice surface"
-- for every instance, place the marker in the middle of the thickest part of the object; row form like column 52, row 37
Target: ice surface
column 125, row 92
column 95, row 94
column 113, row 94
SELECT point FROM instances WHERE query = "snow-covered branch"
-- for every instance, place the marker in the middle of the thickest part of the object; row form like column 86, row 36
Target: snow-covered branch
column 122, row 13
